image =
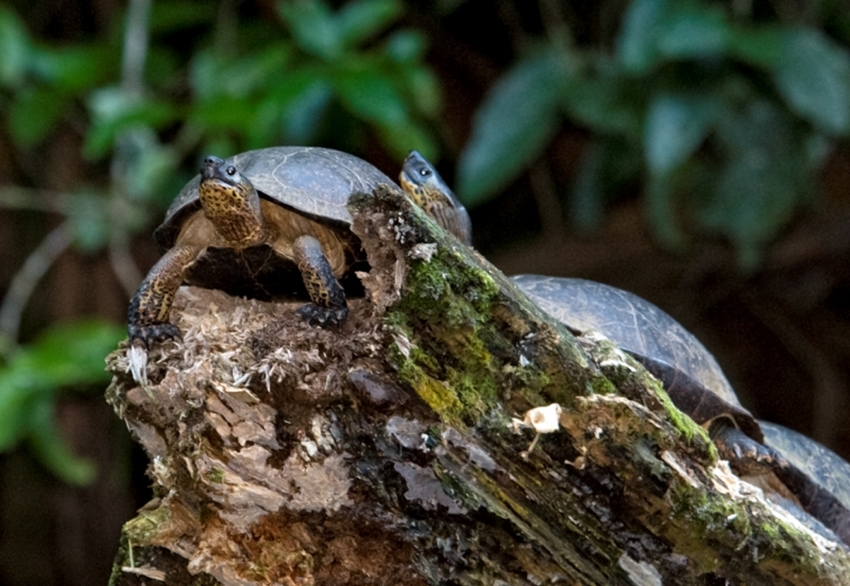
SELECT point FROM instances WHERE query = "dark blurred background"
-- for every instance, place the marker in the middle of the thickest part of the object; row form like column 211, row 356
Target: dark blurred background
column 691, row 151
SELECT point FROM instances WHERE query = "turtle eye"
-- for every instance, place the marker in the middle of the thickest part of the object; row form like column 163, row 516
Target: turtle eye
column 424, row 172
column 231, row 170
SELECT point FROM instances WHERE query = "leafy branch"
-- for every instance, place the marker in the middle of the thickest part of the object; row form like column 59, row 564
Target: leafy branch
column 723, row 118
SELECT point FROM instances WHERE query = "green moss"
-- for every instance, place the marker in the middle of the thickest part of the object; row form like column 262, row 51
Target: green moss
column 453, row 303
column 423, row 359
column 712, row 517
column 145, row 527
column 529, row 376
column 602, row 386
column 437, row 395
column 214, row 476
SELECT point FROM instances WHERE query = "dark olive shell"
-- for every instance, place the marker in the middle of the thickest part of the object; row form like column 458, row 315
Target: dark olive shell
column 816, row 476
column 809, row 461
column 690, row 374
column 311, row 180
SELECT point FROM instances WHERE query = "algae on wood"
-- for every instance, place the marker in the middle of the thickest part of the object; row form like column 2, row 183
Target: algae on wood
column 385, row 452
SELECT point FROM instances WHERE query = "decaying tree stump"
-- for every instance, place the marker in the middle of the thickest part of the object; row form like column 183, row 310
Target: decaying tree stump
column 388, row 451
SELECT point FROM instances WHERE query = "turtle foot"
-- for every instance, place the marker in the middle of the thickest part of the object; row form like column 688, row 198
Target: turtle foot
column 745, row 455
column 152, row 333
column 322, row 316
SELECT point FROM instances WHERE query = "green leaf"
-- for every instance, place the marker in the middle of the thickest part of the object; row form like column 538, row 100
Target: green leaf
column 178, row 15
column 223, row 112
column 400, row 139
column 213, row 76
column 303, row 116
column 661, row 208
column 313, row 27
column 586, row 204
column 753, row 199
column 292, row 111
column 656, row 30
column 813, row 76
column 89, row 221
column 53, row 452
column 14, row 48
column 518, row 118
column 676, row 124
column 811, row 72
column 764, row 178
column 370, row 94
column 64, row 356
column 34, row 113
column 71, row 354
column 16, row 405
column 113, row 112
column 406, row 46
column 361, row 20
column 256, row 70
column 761, row 46
column 204, row 74
column 148, row 172
column 637, row 49
column 75, row 69
column 607, row 164
column 606, row 101
column 423, row 87
column 694, row 31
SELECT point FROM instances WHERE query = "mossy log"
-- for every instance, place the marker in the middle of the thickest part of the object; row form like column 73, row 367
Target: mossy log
column 389, row 452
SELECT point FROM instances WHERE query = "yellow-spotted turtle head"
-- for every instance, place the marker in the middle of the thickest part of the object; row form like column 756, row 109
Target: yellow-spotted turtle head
column 421, row 181
column 231, row 202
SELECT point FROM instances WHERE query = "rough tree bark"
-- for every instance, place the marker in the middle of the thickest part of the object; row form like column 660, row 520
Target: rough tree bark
column 385, row 452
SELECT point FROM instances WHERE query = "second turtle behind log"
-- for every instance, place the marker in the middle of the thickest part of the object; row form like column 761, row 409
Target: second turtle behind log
column 694, row 381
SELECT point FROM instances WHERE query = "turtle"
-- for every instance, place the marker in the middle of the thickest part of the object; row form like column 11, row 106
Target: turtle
column 815, row 476
column 421, row 181
column 268, row 223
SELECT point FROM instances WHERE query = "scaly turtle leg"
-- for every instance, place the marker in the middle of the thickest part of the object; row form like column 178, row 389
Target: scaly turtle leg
column 147, row 318
column 329, row 306
column 745, row 455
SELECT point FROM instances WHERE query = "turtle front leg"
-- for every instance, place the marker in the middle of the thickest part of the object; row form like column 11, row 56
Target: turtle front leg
column 329, row 306
column 745, row 455
column 147, row 317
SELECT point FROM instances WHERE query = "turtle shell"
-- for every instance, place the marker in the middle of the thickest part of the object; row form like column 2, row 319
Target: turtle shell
column 311, row 180
column 817, row 476
column 690, row 374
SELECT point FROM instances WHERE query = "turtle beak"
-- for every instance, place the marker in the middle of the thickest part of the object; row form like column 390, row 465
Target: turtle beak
column 411, row 167
column 214, row 169
column 211, row 165
column 413, row 158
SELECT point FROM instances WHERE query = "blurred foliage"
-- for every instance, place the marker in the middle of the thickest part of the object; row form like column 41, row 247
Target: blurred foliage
column 164, row 88
column 723, row 117
column 723, row 113
column 66, row 356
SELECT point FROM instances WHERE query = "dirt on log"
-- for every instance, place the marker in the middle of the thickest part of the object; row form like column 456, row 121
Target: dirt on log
column 397, row 449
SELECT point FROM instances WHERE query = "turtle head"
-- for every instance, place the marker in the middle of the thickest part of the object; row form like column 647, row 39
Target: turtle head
column 231, row 203
column 421, row 181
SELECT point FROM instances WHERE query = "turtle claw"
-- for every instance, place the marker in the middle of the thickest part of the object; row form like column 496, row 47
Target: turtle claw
column 153, row 333
column 322, row 316
column 744, row 454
